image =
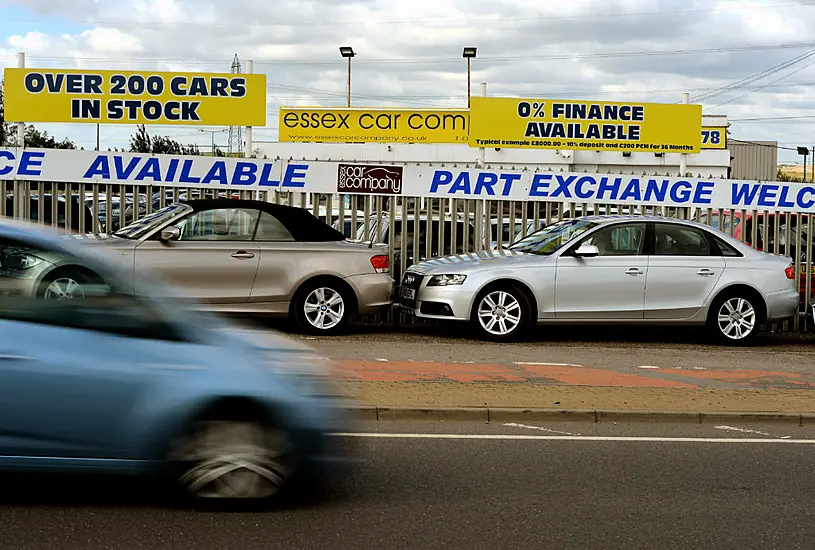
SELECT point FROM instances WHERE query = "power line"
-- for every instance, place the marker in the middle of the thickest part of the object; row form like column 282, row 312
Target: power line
column 798, row 70
column 753, row 78
column 492, row 21
column 455, row 60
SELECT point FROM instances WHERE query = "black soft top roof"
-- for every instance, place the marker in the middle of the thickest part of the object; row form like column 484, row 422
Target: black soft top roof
column 301, row 223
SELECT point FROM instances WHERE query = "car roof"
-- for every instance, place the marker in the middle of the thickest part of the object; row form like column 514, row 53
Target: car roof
column 301, row 223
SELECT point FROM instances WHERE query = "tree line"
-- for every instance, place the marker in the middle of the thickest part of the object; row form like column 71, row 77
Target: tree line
column 140, row 142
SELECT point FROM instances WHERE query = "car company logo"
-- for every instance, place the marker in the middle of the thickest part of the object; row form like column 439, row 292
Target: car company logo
column 409, row 279
column 364, row 178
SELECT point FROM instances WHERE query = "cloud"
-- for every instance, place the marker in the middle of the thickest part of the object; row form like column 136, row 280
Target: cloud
column 409, row 53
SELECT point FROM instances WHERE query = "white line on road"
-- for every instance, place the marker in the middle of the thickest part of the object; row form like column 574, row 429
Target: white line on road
column 539, row 428
column 574, row 438
column 743, row 430
column 648, row 367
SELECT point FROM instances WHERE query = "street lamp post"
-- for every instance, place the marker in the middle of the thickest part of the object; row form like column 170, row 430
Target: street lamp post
column 468, row 54
column 212, row 133
column 348, row 52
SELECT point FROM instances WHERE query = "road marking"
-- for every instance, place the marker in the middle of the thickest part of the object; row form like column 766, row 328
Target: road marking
column 648, row 367
column 533, row 364
column 574, row 438
column 742, row 430
column 539, row 428
column 382, row 360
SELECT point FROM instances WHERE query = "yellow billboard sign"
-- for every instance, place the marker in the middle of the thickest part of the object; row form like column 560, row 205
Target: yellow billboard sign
column 593, row 125
column 714, row 138
column 123, row 97
column 302, row 124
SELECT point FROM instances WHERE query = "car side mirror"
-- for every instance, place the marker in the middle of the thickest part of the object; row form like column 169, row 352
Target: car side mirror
column 171, row 233
column 586, row 250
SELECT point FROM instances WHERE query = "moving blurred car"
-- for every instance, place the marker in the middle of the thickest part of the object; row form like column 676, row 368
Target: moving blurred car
column 113, row 382
column 245, row 256
column 609, row 269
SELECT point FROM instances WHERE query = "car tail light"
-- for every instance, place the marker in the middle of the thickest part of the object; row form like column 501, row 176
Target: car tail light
column 790, row 272
column 380, row 263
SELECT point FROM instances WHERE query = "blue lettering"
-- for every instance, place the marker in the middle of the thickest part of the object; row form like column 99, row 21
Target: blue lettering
column 743, row 193
column 172, row 169
column 613, row 188
column 704, row 192
column 295, row 171
column 540, row 185
column 681, row 191
column 440, row 177
column 800, row 199
column 462, row 183
column 151, row 169
column 30, row 163
column 782, row 201
column 578, row 190
column 9, row 167
column 632, row 191
column 266, row 174
column 486, row 181
column 124, row 173
column 99, row 167
column 767, row 195
column 245, row 173
column 563, row 186
column 216, row 172
column 185, row 173
column 653, row 191
column 509, row 179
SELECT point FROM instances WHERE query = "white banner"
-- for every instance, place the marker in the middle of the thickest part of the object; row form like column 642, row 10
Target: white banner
column 400, row 180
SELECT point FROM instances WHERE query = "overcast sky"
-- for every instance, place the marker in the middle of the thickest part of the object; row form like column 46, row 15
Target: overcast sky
column 409, row 52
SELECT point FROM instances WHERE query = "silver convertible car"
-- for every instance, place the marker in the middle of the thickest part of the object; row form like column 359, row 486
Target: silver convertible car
column 609, row 270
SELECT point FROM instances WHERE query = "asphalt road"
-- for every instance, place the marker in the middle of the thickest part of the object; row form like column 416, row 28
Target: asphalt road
column 426, row 491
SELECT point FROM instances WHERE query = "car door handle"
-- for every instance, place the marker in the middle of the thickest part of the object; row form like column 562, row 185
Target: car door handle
column 634, row 271
column 243, row 255
column 704, row 272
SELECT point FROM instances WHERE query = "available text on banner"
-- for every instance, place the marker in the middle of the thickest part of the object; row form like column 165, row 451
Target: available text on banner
column 593, row 125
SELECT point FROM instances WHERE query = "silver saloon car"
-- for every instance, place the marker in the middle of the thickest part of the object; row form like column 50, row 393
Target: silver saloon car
column 608, row 270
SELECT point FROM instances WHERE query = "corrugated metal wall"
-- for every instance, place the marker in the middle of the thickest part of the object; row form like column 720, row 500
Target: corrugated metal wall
column 756, row 160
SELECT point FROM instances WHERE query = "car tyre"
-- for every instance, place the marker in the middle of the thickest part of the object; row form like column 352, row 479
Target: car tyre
column 502, row 313
column 233, row 460
column 735, row 319
column 323, row 307
column 64, row 284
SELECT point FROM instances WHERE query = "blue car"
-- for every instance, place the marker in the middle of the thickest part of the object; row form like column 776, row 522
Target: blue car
column 117, row 383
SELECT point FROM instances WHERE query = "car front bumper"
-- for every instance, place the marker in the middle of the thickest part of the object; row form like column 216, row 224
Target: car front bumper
column 446, row 303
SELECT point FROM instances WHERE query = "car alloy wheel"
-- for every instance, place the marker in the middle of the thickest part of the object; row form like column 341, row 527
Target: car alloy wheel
column 64, row 288
column 736, row 318
column 324, row 308
column 234, row 460
column 499, row 313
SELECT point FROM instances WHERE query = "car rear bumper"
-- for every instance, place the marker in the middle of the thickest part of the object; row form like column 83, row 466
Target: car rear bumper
column 782, row 305
column 374, row 292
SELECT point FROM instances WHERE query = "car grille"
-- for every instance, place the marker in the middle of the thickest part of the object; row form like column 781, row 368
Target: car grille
column 411, row 281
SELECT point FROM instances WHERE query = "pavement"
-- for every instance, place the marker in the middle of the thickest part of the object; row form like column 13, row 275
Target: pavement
column 574, row 368
column 475, row 485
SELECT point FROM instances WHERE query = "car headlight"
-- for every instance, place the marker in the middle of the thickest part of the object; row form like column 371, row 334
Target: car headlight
column 22, row 261
column 446, row 280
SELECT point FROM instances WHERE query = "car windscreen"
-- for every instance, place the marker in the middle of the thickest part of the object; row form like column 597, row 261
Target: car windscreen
column 552, row 238
column 147, row 224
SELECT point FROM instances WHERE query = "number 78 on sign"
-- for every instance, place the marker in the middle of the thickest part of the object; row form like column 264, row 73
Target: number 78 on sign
column 714, row 138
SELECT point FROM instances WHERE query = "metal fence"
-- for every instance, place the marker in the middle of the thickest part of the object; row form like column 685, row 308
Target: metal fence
column 423, row 227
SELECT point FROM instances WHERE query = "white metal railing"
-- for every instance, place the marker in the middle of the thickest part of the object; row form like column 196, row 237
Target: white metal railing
column 479, row 224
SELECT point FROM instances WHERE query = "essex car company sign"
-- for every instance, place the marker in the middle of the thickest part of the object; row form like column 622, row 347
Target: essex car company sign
column 123, row 97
